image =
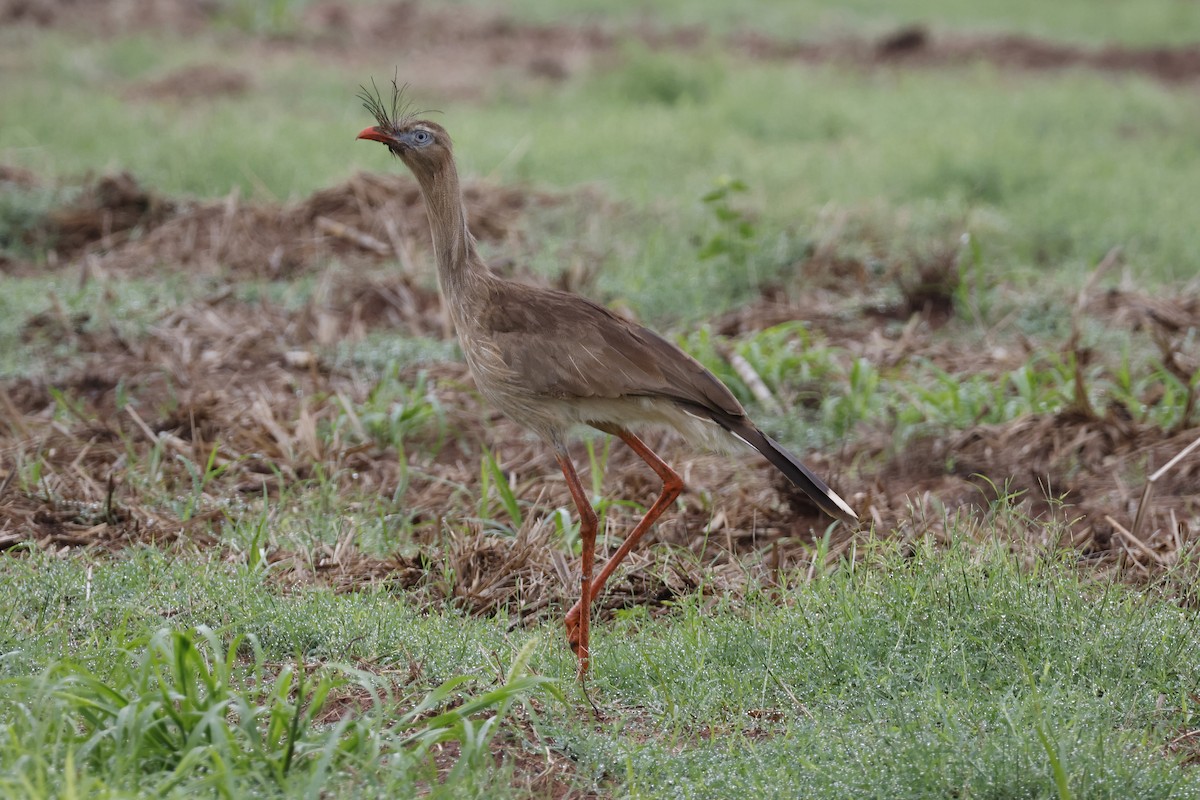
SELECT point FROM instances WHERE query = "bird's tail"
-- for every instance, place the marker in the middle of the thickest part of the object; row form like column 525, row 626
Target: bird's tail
column 800, row 476
column 787, row 463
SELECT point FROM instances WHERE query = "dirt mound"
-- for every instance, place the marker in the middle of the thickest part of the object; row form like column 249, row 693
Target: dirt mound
column 111, row 16
column 193, row 83
column 105, row 215
column 19, row 177
column 1078, row 469
column 117, row 225
column 918, row 46
column 451, row 47
column 1172, row 64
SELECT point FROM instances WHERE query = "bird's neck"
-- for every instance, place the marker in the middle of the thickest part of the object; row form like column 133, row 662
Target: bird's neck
column 459, row 265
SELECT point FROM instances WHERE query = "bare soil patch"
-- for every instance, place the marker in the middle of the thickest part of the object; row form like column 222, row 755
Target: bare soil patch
column 456, row 50
column 252, row 386
column 556, row 51
column 918, row 46
column 117, row 226
column 19, row 177
column 108, row 17
column 193, row 83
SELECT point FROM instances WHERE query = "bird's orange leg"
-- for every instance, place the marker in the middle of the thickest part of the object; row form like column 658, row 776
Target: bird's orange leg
column 578, row 634
column 579, row 617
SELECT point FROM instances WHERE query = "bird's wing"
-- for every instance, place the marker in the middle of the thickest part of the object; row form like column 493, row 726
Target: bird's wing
column 565, row 346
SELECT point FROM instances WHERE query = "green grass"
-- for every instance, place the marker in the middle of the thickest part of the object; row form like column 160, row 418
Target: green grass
column 832, row 396
column 983, row 667
column 932, row 672
column 960, row 674
column 1047, row 171
column 153, row 702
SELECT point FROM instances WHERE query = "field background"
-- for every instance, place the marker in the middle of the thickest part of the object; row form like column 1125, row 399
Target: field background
column 262, row 538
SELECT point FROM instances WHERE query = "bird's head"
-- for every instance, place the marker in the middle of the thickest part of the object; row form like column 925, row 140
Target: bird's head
column 422, row 145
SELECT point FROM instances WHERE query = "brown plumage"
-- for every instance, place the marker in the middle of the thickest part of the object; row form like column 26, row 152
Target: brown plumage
column 552, row 360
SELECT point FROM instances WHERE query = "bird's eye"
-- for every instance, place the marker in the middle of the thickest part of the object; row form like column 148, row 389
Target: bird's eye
column 422, row 137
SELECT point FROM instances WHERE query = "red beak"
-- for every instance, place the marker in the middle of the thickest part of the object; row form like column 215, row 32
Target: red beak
column 375, row 135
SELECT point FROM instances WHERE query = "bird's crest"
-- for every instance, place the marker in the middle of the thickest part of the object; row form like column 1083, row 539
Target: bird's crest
column 387, row 118
column 390, row 116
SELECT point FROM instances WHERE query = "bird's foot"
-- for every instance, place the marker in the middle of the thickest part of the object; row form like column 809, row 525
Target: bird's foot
column 572, row 623
column 574, row 638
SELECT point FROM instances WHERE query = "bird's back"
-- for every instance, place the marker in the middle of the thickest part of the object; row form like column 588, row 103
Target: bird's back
column 550, row 359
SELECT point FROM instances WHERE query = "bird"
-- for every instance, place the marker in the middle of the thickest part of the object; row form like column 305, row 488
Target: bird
column 554, row 361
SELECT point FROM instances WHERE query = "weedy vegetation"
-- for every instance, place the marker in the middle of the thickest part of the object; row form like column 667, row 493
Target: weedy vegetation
column 260, row 536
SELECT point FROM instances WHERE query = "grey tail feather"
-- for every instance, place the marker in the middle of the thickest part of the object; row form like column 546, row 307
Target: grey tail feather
column 787, row 463
column 800, row 476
